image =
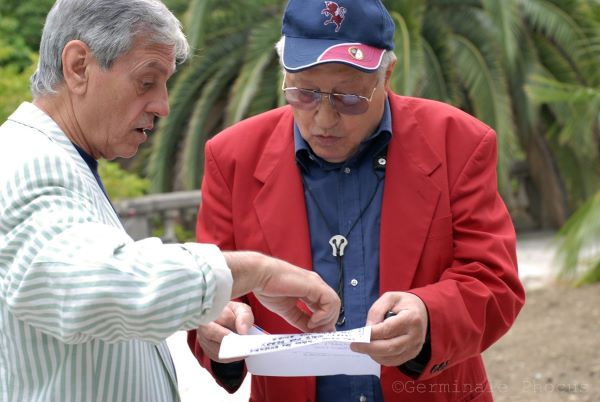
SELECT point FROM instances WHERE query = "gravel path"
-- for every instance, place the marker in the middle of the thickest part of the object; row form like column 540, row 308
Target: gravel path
column 552, row 352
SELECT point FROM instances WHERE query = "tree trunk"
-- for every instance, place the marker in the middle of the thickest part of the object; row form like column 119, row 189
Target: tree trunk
column 548, row 203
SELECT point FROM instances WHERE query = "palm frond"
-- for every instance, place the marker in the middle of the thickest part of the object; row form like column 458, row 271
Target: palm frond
column 435, row 86
column 490, row 99
column 576, row 108
column 527, row 113
column 440, row 81
column 194, row 23
column 197, row 132
column 549, row 90
column 580, row 173
column 171, row 130
column 402, row 47
column 554, row 22
column 554, row 60
column 579, row 239
column 267, row 96
column 260, row 53
column 409, row 75
column 506, row 20
column 245, row 88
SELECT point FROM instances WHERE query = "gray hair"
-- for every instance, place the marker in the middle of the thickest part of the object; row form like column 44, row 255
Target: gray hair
column 389, row 57
column 109, row 28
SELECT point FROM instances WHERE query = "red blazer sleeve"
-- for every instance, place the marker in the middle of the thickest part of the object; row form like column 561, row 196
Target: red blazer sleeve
column 478, row 297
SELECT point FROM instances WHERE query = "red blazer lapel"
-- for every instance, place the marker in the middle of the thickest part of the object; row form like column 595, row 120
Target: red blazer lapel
column 409, row 201
column 279, row 204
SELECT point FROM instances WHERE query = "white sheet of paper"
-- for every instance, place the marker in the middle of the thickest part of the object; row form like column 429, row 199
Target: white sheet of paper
column 312, row 354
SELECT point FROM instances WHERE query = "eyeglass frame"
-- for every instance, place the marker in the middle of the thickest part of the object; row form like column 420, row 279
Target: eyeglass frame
column 329, row 95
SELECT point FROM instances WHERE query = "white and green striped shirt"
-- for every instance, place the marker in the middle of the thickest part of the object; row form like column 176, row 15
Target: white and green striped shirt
column 85, row 310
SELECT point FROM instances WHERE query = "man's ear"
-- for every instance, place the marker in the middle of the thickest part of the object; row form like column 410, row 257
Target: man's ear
column 388, row 74
column 76, row 62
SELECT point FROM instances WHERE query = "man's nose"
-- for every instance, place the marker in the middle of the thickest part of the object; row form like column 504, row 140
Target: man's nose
column 159, row 106
column 325, row 115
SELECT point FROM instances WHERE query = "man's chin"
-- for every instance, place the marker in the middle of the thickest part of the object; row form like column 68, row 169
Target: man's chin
column 129, row 154
column 124, row 154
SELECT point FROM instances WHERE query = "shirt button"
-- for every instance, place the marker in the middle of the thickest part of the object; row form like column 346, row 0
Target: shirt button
column 347, row 170
column 353, row 282
column 381, row 161
column 362, row 398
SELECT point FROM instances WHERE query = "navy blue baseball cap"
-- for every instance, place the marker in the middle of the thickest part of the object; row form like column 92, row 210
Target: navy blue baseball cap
column 353, row 32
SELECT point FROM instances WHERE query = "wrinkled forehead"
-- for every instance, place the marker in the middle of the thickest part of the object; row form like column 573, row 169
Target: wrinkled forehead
column 148, row 54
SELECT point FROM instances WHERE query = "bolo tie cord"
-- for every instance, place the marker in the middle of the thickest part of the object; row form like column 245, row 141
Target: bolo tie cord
column 339, row 242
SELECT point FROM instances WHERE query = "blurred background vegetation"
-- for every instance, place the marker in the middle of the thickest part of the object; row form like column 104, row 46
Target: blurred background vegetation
column 528, row 68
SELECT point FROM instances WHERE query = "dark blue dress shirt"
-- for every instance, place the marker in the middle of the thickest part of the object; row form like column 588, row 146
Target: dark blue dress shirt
column 336, row 194
column 93, row 165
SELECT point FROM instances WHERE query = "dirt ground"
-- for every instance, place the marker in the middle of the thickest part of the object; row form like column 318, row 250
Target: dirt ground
column 552, row 353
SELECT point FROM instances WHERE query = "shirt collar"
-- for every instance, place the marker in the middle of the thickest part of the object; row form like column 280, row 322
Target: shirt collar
column 377, row 141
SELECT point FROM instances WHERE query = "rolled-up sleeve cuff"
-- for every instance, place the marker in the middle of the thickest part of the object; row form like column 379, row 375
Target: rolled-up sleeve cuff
column 213, row 257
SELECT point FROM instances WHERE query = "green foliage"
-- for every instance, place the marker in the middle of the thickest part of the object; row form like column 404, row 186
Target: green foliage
column 573, row 97
column 119, row 183
column 21, row 25
column 222, row 84
column 182, row 234
column 177, row 7
column 14, row 88
column 24, row 20
column 15, row 54
column 578, row 253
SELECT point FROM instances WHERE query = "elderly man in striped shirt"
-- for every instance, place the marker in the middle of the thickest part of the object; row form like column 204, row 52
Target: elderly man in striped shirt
column 84, row 309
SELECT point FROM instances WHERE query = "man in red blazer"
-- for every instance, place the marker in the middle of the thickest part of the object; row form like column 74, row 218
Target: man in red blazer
column 392, row 200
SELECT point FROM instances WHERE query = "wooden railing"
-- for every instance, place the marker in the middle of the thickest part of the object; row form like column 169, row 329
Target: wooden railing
column 142, row 215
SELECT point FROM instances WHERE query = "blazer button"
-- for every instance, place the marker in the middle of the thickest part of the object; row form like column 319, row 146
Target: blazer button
column 362, row 398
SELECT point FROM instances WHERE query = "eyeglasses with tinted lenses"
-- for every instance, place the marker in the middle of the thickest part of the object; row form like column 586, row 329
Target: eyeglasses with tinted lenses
column 309, row 99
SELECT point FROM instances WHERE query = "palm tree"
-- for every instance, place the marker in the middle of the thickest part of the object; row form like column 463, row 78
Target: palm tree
column 479, row 55
column 233, row 74
column 577, row 111
column 578, row 252
column 573, row 100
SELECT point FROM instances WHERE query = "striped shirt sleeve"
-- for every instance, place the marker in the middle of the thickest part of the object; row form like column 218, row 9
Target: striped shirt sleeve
column 72, row 276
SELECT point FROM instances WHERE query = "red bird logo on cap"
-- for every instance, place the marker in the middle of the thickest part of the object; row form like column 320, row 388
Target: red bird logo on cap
column 335, row 14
